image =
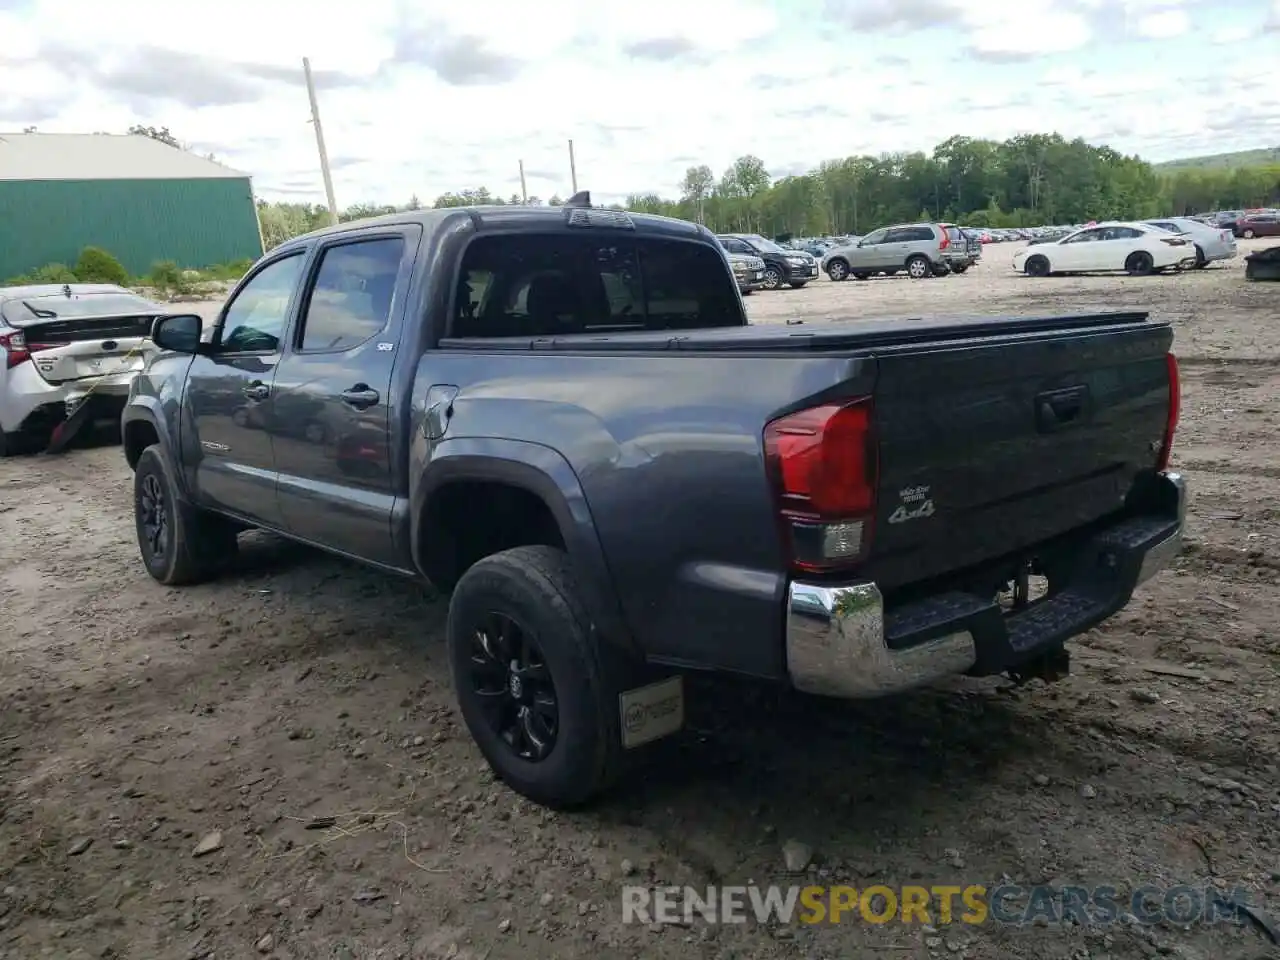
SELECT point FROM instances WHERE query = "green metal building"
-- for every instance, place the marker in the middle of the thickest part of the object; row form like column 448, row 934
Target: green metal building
column 138, row 198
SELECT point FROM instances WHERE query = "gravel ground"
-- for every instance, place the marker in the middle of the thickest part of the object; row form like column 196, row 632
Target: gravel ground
column 143, row 725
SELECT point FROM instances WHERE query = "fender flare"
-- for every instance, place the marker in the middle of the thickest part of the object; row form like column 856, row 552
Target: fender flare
column 546, row 474
column 148, row 410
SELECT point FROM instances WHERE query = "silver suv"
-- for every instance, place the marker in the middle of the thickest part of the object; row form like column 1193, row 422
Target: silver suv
column 921, row 249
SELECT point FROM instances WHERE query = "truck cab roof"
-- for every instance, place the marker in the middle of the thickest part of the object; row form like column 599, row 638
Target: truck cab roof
column 519, row 218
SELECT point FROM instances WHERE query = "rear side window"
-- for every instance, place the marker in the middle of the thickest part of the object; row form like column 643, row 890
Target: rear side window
column 546, row 286
column 350, row 301
column 909, row 234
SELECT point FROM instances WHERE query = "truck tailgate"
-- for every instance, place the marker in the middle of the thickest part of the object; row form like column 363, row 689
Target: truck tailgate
column 990, row 446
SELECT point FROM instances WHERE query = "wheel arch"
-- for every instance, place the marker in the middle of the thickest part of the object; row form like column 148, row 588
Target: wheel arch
column 1043, row 258
column 141, row 425
column 512, row 476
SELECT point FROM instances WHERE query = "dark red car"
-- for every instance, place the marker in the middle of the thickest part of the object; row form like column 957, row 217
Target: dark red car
column 1258, row 225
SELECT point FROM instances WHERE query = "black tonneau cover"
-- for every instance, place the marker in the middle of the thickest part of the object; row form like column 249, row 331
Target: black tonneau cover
column 834, row 333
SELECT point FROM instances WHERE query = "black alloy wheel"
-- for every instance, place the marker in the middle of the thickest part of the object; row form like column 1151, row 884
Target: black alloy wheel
column 510, row 678
column 153, row 518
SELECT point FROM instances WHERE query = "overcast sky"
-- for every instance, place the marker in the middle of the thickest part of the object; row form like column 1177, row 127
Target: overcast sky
column 426, row 96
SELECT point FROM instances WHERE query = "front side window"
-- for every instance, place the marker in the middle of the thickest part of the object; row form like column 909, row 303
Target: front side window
column 874, row 237
column 351, row 299
column 1084, row 236
column 254, row 321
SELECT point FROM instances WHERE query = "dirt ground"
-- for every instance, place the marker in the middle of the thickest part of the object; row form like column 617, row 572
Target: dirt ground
column 139, row 722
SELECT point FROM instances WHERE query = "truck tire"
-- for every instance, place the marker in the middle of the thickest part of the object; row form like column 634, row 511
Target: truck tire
column 1139, row 264
column 960, row 268
column 1202, row 261
column 798, row 284
column 529, row 677
column 919, row 267
column 179, row 543
column 1247, row 234
column 838, row 270
column 862, row 275
column 772, row 278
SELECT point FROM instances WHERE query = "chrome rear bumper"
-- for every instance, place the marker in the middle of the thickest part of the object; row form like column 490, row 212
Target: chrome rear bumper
column 840, row 643
column 836, row 645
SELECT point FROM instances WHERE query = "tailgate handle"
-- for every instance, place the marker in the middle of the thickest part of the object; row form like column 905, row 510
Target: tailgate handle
column 1056, row 409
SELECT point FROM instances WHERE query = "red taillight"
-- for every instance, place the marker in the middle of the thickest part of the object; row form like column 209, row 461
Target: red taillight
column 822, row 463
column 946, row 239
column 16, row 351
column 1171, row 419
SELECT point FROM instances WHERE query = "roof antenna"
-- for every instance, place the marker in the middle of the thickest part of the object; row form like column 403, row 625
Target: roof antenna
column 580, row 199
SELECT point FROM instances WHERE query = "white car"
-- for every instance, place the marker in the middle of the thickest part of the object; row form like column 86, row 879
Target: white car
column 64, row 345
column 1211, row 243
column 1136, row 248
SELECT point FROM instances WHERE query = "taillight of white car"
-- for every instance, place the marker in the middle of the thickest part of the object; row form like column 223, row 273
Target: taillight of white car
column 15, row 347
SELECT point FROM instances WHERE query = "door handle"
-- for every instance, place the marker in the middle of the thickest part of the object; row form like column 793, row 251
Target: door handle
column 1060, row 408
column 257, row 390
column 361, row 396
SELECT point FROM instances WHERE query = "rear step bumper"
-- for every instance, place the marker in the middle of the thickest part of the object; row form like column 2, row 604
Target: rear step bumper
column 842, row 643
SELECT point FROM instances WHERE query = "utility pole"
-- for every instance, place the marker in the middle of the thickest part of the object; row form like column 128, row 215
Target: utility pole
column 524, row 190
column 573, row 169
column 324, row 154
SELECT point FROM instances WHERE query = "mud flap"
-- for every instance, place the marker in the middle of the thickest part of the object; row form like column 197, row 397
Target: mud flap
column 651, row 712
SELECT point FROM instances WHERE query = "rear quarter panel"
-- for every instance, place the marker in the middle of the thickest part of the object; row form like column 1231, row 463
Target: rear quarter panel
column 668, row 451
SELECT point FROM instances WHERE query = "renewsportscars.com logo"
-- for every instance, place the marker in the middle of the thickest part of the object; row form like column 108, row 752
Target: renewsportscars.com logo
column 939, row 905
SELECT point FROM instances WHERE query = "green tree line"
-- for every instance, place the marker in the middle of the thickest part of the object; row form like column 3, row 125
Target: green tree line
column 1030, row 180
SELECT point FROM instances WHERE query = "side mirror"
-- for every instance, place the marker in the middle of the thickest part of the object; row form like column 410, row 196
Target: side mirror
column 180, row 333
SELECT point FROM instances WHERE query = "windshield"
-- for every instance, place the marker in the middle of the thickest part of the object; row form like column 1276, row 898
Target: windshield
column 33, row 309
column 768, row 246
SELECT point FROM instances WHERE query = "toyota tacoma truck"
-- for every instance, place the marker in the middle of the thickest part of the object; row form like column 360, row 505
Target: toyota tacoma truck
column 562, row 417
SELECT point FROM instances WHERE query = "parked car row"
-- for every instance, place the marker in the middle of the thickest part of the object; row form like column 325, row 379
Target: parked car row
column 1246, row 224
column 919, row 250
column 782, row 266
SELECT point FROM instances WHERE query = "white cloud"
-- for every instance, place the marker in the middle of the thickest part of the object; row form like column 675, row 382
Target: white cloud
column 1164, row 25
column 1228, row 35
column 423, row 98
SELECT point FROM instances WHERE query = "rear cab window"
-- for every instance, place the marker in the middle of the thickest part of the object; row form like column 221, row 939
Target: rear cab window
column 547, row 285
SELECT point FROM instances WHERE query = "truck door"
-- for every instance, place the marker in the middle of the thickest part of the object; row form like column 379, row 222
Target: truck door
column 331, row 427
column 228, row 396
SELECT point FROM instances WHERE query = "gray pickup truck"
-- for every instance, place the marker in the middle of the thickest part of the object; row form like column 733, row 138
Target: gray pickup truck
column 563, row 417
